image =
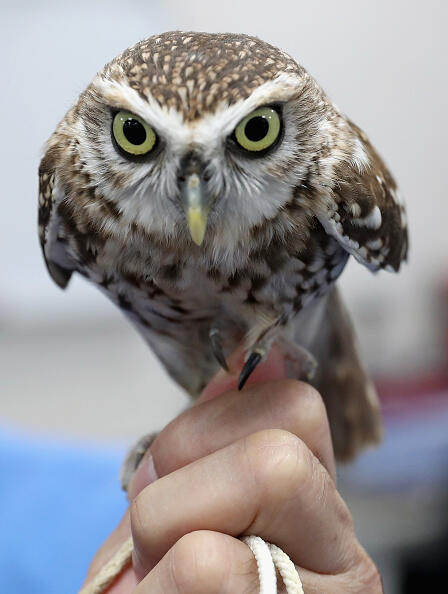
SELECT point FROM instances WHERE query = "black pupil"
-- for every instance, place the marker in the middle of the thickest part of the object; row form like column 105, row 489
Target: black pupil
column 134, row 132
column 256, row 128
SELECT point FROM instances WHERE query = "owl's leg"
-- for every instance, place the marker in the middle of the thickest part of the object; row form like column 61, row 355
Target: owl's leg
column 264, row 335
column 300, row 363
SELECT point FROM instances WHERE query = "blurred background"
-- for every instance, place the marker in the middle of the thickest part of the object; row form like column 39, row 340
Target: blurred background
column 77, row 384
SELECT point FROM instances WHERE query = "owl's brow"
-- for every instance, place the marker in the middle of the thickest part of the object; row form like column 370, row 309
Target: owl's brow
column 119, row 95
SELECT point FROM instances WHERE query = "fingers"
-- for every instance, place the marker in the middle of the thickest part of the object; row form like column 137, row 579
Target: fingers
column 209, row 561
column 206, row 562
column 268, row 484
column 203, row 562
column 362, row 578
column 284, row 404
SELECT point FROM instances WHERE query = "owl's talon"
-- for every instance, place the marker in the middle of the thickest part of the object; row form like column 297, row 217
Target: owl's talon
column 254, row 359
column 215, row 341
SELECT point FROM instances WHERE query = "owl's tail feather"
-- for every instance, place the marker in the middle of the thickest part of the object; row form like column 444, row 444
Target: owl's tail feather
column 349, row 394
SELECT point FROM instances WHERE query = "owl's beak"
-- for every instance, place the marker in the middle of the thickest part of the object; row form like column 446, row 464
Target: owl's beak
column 195, row 208
column 194, row 197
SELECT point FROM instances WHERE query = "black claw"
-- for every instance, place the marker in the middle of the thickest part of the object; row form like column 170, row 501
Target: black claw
column 215, row 340
column 249, row 366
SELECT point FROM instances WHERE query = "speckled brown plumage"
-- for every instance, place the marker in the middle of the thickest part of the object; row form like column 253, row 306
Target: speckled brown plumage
column 281, row 225
column 193, row 72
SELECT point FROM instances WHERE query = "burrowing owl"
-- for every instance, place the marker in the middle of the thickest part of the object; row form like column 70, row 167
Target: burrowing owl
column 210, row 188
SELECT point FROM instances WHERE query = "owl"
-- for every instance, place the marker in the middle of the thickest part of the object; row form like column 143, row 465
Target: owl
column 210, row 188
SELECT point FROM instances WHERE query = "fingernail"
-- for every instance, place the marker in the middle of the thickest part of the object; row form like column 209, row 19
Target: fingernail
column 144, row 475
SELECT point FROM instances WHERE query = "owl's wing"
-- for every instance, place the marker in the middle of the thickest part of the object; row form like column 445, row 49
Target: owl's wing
column 349, row 395
column 51, row 238
column 366, row 215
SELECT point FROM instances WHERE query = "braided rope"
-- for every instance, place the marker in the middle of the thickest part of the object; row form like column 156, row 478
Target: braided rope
column 268, row 556
column 286, row 569
column 266, row 569
column 109, row 572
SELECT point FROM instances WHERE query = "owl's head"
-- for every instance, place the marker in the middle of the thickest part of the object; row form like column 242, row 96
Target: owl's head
column 201, row 133
column 198, row 138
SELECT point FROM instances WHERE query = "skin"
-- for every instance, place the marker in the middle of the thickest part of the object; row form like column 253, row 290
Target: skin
column 258, row 462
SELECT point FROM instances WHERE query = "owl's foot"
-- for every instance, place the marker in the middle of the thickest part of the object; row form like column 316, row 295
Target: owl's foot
column 133, row 459
column 216, row 344
column 300, row 363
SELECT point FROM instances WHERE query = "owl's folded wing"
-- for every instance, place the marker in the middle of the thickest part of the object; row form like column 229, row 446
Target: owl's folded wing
column 52, row 241
column 366, row 214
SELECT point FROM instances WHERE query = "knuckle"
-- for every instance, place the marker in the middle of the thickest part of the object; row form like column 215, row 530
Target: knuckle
column 304, row 405
column 193, row 569
column 344, row 516
column 143, row 517
column 364, row 577
column 168, row 449
column 137, row 522
column 373, row 579
column 314, row 409
column 277, row 459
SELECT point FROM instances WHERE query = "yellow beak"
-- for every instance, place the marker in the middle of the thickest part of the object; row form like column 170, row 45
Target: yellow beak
column 197, row 222
column 196, row 208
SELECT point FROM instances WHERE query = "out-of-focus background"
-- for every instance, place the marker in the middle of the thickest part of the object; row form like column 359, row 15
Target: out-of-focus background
column 77, row 384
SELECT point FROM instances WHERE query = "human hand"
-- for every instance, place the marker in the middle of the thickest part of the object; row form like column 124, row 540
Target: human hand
column 258, row 462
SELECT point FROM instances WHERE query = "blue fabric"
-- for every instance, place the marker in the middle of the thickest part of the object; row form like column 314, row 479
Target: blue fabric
column 58, row 501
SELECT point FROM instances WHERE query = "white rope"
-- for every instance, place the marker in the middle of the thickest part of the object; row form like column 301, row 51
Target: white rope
column 109, row 572
column 286, row 569
column 266, row 568
column 268, row 556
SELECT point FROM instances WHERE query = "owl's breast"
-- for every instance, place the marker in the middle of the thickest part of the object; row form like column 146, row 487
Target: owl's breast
column 161, row 287
column 174, row 298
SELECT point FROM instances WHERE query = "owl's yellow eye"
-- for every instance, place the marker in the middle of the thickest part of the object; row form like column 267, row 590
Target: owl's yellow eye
column 259, row 130
column 132, row 134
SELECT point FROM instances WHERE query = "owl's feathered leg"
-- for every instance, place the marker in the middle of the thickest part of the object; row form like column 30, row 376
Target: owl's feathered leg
column 299, row 361
column 259, row 348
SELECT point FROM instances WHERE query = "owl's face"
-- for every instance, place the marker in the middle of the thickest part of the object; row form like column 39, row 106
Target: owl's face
column 201, row 143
